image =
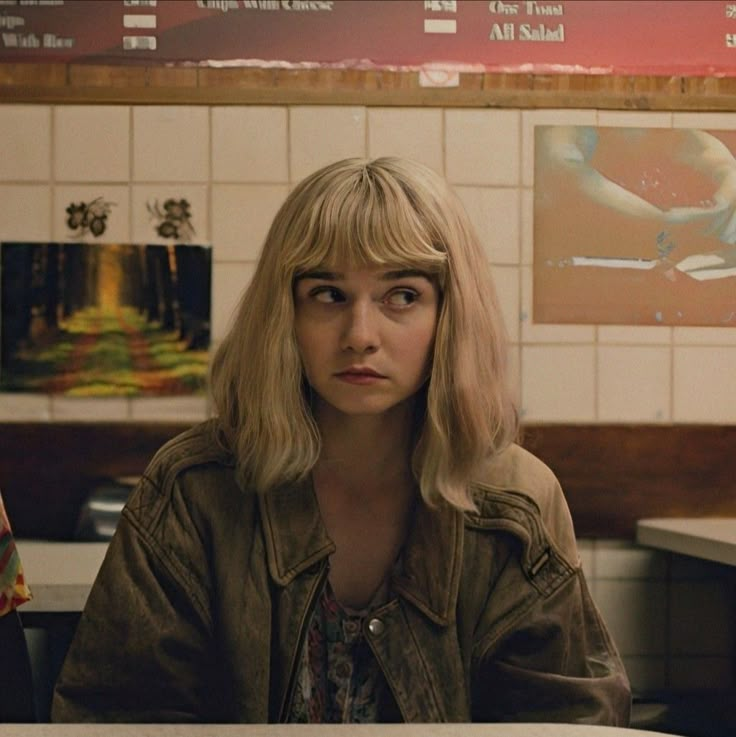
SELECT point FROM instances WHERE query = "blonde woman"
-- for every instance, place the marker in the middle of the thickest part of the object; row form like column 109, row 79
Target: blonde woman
column 355, row 537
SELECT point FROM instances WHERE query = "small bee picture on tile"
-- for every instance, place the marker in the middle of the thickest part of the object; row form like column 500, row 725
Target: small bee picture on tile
column 88, row 218
column 172, row 219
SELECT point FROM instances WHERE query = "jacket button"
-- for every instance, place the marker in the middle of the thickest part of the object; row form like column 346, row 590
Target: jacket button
column 376, row 627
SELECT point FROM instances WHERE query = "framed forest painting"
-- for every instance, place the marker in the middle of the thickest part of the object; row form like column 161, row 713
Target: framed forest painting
column 104, row 319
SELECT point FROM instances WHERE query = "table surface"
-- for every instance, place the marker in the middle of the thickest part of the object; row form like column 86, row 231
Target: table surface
column 59, row 574
column 710, row 538
column 352, row 730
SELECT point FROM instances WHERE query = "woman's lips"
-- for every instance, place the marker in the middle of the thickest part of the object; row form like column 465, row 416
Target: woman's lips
column 360, row 376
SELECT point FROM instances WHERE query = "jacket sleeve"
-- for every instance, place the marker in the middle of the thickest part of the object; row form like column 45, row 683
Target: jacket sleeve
column 555, row 663
column 142, row 650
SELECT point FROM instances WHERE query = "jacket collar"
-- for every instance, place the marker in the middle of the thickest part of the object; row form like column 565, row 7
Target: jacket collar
column 295, row 536
column 429, row 576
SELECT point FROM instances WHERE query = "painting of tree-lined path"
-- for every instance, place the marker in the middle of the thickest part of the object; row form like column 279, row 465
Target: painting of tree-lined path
column 104, row 320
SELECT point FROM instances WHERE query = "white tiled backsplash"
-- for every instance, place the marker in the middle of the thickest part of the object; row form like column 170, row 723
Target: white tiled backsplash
column 235, row 165
column 671, row 616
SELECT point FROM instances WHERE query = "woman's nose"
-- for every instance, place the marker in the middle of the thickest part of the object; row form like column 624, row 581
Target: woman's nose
column 360, row 332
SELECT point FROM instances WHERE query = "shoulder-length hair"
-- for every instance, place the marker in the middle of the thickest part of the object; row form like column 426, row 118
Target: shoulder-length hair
column 386, row 211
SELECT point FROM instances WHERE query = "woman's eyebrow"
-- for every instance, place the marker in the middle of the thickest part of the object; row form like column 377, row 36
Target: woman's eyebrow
column 385, row 276
column 404, row 274
column 326, row 275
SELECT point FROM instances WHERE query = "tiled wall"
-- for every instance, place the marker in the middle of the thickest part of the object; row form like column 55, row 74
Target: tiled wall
column 235, row 166
column 671, row 616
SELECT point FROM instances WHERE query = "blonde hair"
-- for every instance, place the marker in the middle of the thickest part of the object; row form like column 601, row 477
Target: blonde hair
column 386, row 211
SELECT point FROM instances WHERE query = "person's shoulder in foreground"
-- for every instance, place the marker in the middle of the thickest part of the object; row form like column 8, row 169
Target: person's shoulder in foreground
column 515, row 479
column 541, row 641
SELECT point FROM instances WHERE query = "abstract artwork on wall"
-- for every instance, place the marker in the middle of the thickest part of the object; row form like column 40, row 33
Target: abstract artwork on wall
column 634, row 226
column 104, row 319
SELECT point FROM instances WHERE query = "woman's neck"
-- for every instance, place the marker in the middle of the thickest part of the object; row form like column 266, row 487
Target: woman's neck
column 366, row 494
column 368, row 449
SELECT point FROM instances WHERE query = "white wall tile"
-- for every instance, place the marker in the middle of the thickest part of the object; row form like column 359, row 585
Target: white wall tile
column 514, row 373
column 638, row 119
column 91, row 143
column 25, row 214
column 495, row 214
column 24, row 407
column 558, row 383
column 704, row 336
column 229, row 281
column 532, row 332
column 25, row 131
column 640, row 334
column 249, row 144
column 482, row 147
column 171, row 143
column 532, row 118
column 89, row 409
column 320, row 135
column 586, row 551
column 506, row 280
column 704, row 121
column 636, row 613
column 153, row 196
column 117, row 223
column 241, row 217
column 527, row 227
column 633, row 384
column 413, row 133
column 626, row 560
column 704, row 385
column 169, row 409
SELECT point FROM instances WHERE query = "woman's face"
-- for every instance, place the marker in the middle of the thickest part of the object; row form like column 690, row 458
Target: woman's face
column 366, row 337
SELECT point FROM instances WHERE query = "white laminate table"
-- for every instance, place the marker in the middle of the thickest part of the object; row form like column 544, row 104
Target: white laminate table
column 59, row 574
column 710, row 538
column 317, row 730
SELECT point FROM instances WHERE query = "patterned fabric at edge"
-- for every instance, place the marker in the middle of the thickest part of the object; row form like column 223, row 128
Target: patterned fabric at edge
column 13, row 588
column 339, row 679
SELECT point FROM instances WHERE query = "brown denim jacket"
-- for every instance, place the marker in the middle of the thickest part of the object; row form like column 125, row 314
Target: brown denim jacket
column 202, row 602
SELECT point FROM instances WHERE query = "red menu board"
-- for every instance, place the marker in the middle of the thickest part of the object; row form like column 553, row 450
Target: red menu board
column 664, row 37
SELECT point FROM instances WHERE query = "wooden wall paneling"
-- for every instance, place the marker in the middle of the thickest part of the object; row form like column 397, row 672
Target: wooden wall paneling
column 47, row 470
column 612, row 475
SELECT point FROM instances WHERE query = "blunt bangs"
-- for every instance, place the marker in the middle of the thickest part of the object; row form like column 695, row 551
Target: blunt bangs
column 370, row 218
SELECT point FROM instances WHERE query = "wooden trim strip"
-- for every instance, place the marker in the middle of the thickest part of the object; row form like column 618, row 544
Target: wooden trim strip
column 89, row 84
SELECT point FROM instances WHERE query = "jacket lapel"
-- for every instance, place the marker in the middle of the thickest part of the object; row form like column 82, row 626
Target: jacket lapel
column 430, row 575
column 295, row 536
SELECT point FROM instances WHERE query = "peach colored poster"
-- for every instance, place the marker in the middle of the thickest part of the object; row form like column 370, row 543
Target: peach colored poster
column 634, row 226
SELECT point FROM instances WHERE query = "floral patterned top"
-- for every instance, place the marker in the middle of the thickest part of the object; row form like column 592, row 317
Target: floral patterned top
column 13, row 589
column 339, row 679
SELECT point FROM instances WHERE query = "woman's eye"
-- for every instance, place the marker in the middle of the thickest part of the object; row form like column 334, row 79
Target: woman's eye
column 402, row 297
column 326, row 295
